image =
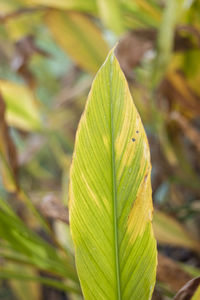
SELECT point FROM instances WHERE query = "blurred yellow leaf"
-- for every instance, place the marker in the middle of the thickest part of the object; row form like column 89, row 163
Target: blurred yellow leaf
column 111, row 14
column 146, row 13
column 86, row 5
column 8, row 6
column 21, row 108
column 169, row 231
column 196, row 295
column 149, row 8
column 79, row 37
column 23, row 25
column 24, row 290
column 183, row 94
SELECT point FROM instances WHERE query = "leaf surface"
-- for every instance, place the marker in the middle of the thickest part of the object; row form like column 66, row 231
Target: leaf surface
column 110, row 194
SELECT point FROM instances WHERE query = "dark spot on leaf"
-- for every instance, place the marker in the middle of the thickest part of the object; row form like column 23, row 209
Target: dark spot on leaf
column 133, row 139
column 137, row 131
column 145, row 177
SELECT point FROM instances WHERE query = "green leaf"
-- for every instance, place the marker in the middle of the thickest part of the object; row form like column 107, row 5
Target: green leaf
column 79, row 37
column 9, row 274
column 27, row 245
column 110, row 194
column 21, row 108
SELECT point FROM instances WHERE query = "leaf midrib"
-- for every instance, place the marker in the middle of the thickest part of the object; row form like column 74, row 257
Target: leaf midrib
column 114, row 190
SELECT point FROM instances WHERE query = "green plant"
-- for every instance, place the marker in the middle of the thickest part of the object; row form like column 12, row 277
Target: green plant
column 110, row 194
column 49, row 53
column 110, row 203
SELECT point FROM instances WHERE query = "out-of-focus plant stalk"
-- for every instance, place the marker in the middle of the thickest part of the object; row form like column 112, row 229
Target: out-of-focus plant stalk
column 171, row 15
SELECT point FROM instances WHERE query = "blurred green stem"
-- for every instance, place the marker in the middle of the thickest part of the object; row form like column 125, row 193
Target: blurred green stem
column 7, row 274
column 171, row 15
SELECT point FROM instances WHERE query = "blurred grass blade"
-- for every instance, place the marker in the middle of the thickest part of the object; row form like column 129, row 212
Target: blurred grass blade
column 110, row 194
column 8, row 156
column 21, row 109
column 23, row 290
column 142, row 11
column 149, row 7
column 169, row 231
column 171, row 15
column 110, row 13
column 80, row 5
column 79, row 37
column 25, row 242
column 58, row 284
column 193, row 271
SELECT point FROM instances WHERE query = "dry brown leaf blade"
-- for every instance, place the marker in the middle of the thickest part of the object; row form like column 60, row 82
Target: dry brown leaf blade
column 8, row 153
column 190, row 131
column 52, row 208
column 188, row 290
column 171, row 273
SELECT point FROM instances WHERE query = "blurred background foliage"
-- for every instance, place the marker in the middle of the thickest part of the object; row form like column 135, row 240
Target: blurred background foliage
column 50, row 51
